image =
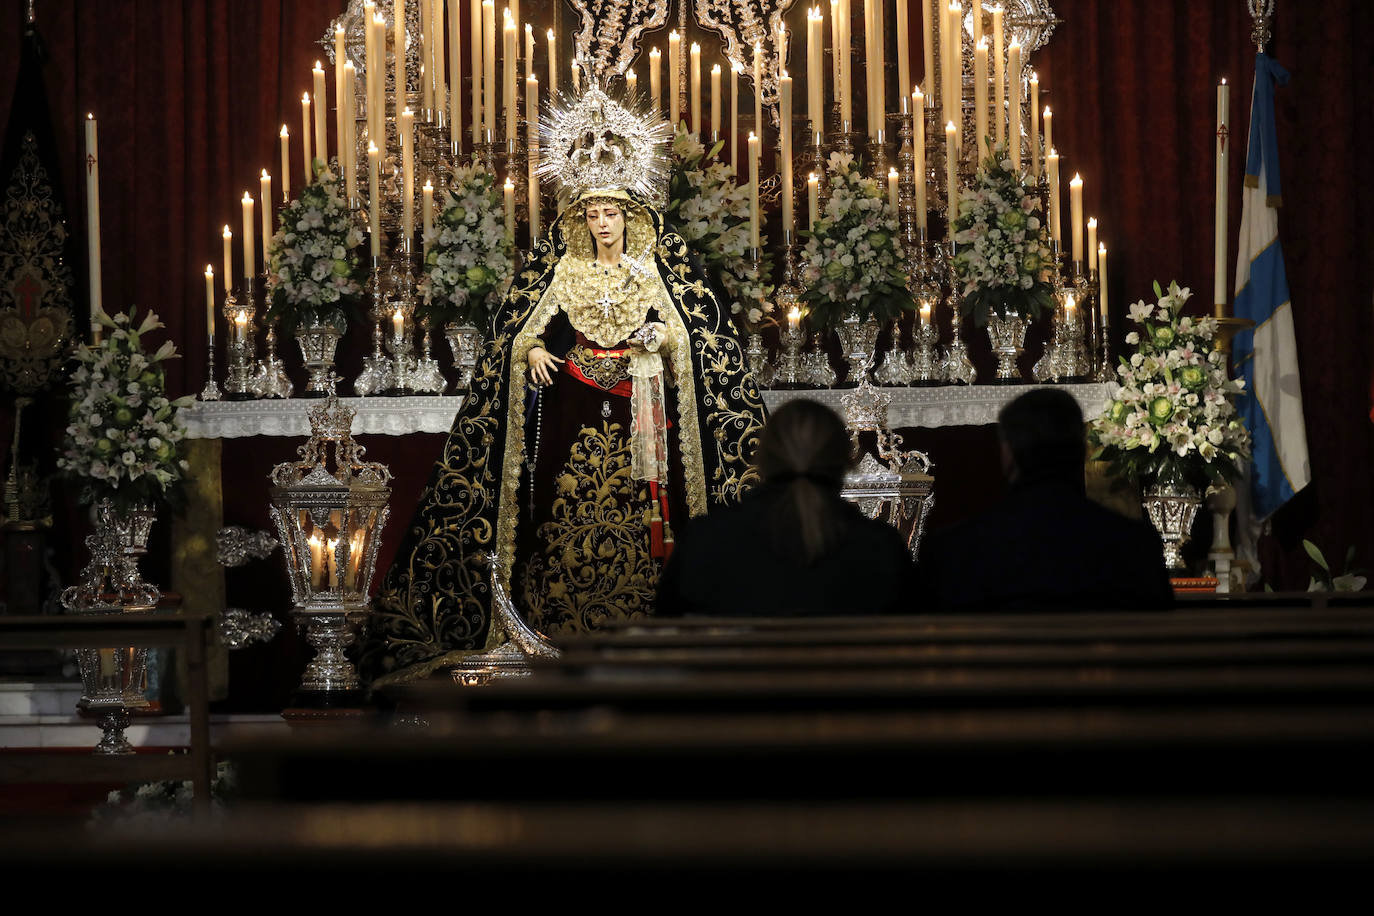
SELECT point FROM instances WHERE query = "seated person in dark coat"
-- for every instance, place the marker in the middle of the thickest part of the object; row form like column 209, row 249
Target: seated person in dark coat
column 1046, row 546
column 792, row 546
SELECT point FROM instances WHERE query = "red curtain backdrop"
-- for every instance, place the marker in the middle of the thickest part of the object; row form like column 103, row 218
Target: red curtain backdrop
column 190, row 97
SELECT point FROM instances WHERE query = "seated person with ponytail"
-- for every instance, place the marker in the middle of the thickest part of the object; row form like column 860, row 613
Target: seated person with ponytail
column 792, row 546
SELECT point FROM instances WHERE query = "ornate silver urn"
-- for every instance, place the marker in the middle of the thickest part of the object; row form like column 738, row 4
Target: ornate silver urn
column 1172, row 507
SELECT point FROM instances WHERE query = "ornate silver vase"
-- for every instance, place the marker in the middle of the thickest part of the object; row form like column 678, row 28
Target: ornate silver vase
column 858, row 339
column 1172, row 508
column 113, row 679
column 318, row 336
column 111, row 582
column 465, row 341
column 1008, row 337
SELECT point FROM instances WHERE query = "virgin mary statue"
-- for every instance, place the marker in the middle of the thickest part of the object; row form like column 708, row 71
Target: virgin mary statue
column 610, row 403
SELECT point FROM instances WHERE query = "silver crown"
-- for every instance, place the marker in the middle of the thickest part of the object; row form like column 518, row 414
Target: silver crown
column 594, row 143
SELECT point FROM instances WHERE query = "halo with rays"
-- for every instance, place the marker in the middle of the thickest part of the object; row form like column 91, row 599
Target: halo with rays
column 592, row 142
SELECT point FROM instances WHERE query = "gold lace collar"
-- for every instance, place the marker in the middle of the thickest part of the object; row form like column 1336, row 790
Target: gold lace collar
column 604, row 303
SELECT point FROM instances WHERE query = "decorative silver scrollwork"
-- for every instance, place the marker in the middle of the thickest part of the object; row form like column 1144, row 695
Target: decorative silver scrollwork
column 742, row 24
column 239, row 628
column 235, row 546
column 611, row 29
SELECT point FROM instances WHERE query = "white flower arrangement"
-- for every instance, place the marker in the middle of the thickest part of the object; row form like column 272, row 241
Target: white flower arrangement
column 852, row 262
column 157, row 803
column 471, row 257
column 312, row 268
column 711, row 212
column 123, row 437
column 1003, row 255
column 1173, row 418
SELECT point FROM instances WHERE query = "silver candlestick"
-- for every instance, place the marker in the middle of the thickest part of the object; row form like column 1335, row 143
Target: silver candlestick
column 211, row 390
column 376, row 376
column 925, row 367
column 956, row 367
column 403, row 361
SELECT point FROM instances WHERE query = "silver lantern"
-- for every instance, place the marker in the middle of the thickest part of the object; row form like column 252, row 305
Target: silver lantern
column 329, row 517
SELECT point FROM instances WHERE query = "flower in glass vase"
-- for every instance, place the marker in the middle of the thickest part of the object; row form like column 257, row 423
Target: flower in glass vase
column 313, row 271
column 1002, row 259
column 711, row 212
column 123, row 440
column 1173, row 419
column 470, row 257
column 852, row 263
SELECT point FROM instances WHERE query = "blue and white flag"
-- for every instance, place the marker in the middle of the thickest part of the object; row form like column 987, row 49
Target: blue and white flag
column 1267, row 356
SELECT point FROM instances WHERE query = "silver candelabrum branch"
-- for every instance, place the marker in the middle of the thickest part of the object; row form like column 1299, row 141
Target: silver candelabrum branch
column 956, row 367
column 376, row 376
column 926, row 365
column 1104, row 371
column 401, row 346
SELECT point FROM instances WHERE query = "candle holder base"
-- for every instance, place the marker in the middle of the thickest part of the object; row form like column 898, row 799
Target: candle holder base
column 211, row 390
column 271, row 380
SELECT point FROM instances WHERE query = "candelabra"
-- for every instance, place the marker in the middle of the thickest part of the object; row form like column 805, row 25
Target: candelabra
column 402, row 349
column 956, row 366
column 211, row 390
column 877, row 153
column 376, row 376
column 926, row 366
column 271, row 380
column 238, row 384
column 791, row 371
column 427, row 379
column 925, row 363
column 1106, row 372
column 789, row 307
column 913, row 236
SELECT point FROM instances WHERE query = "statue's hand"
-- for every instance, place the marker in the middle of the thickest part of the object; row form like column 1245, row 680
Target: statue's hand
column 543, row 365
column 649, row 336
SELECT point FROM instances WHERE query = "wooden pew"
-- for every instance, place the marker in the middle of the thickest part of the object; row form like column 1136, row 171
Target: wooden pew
column 189, row 632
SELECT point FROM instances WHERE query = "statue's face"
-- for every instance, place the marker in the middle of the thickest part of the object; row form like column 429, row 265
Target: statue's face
column 607, row 224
